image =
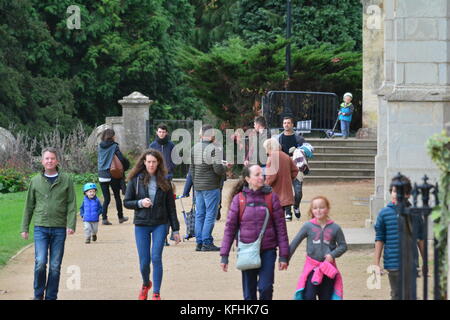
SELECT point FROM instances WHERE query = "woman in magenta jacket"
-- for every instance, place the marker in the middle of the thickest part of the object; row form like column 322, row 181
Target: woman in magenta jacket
column 250, row 224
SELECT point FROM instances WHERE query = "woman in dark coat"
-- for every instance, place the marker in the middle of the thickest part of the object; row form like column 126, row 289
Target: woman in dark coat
column 151, row 196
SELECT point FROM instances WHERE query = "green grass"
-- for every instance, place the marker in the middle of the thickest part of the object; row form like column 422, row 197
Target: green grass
column 11, row 212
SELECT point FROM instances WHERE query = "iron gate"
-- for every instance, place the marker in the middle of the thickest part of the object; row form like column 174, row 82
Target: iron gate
column 410, row 220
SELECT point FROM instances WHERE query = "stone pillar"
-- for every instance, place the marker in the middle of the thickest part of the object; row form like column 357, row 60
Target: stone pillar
column 414, row 101
column 135, row 113
column 373, row 64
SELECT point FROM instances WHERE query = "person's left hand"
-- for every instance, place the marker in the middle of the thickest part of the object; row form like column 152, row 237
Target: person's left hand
column 329, row 258
column 282, row 266
column 70, row 231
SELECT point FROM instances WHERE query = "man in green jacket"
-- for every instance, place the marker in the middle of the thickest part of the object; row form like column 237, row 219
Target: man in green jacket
column 51, row 200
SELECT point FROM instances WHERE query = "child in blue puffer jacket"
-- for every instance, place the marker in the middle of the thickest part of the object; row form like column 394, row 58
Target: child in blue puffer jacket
column 90, row 210
column 345, row 114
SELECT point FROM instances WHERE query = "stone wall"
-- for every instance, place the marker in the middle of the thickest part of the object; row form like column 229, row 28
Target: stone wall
column 414, row 101
column 373, row 64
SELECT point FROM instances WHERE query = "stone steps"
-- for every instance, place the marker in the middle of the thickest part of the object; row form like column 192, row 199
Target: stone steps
column 342, row 159
column 342, row 164
column 369, row 173
column 346, row 150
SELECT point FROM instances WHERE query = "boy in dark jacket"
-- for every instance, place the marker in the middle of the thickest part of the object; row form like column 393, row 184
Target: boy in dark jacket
column 90, row 210
column 387, row 238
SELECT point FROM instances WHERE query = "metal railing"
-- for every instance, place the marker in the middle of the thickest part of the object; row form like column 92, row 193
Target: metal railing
column 413, row 225
column 321, row 108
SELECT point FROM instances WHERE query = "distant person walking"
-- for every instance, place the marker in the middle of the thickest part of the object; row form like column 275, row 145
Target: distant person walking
column 289, row 141
column 207, row 174
column 280, row 172
column 250, row 200
column 164, row 145
column 107, row 149
column 151, row 196
column 51, row 201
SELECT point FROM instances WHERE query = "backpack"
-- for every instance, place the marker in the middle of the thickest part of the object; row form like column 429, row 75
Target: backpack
column 116, row 169
column 243, row 203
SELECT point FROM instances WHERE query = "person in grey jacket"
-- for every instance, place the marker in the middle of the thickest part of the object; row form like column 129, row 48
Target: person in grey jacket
column 207, row 173
column 325, row 242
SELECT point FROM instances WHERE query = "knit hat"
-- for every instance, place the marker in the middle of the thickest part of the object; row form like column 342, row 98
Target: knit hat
column 348, row 94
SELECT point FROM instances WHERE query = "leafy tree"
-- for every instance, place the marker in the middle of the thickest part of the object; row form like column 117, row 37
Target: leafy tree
column 313, row 22
column 232, row 78
column 25, row 95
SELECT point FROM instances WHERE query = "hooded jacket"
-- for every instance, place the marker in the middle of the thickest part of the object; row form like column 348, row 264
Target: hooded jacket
column 165, row 146
column 106, row 151
column 252, row 222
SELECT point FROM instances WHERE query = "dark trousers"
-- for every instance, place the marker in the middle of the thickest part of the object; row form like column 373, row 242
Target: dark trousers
column 298, row 193
column 116, row 187
column 324, row 290
column 394, row 282
column 260, row 279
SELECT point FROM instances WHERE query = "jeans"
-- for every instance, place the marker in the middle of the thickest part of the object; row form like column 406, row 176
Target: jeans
column 206, row 202
column 48, row 241
column 261, row 279
column 324, row 290
column 345, row 128
column 144, row 236
column 298, row 193
column 116, row 187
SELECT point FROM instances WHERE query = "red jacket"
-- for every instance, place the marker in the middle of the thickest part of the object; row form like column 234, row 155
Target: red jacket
column 280, row 172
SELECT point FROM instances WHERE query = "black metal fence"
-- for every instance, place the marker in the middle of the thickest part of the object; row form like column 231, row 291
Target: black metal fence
column 413, row 226
column 321, row 108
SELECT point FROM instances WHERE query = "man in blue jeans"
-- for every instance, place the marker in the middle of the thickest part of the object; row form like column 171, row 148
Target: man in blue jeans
column 207, row 172
column 51, row 200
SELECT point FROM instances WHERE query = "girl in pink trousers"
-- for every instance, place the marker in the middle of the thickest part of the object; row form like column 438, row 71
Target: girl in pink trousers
column 325, row 242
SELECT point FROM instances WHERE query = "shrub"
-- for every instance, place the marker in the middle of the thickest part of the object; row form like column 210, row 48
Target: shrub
column 18, row 154
column 13, row 181
column 84, row 178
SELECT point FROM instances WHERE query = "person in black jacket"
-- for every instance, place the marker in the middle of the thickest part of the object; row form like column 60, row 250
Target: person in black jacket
column 151, row 196
column 106, row 151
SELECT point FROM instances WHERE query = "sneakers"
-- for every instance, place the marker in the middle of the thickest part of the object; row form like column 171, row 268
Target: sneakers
column 210, row 247
column 156, row 296
column 106, row 222
column 94, row 237
column 88, row 240
column 297, row 213
column 123, row 219
column 143, row 294
column 198, row 247
column 288, row 216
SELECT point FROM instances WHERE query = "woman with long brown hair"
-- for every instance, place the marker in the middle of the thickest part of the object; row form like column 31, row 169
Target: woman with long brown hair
column 151, row 197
